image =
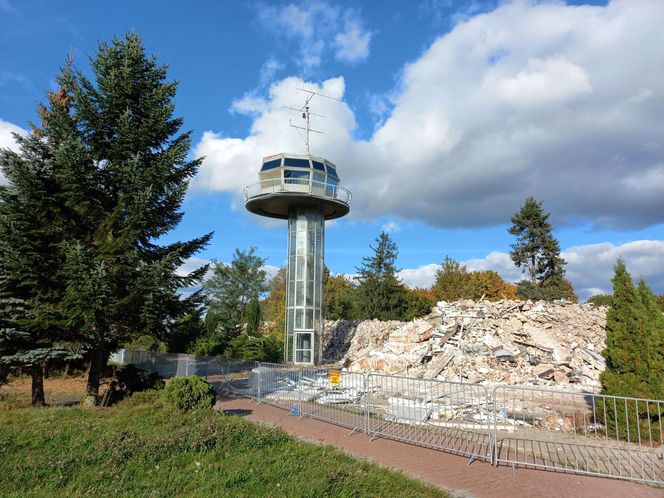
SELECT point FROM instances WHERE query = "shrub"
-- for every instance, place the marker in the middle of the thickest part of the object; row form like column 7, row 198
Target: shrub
column 128, row 380
column 265, row 348
column 142, row 398
column 600, row 299
column 189, row 393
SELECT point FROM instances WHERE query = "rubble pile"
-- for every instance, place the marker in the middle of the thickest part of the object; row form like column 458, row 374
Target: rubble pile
column 504, row 342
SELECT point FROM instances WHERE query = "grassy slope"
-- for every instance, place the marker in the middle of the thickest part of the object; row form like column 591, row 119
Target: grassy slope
column 140, row 449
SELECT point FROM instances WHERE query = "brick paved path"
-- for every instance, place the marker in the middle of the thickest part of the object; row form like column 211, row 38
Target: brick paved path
column 441, row 469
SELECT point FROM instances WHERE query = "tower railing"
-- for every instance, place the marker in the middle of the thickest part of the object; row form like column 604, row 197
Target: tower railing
column 297, row 185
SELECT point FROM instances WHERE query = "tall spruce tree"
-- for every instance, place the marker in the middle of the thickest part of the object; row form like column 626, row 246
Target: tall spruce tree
column 127, row 183
column 537, row 252
column 380, row 293
column 34, row 225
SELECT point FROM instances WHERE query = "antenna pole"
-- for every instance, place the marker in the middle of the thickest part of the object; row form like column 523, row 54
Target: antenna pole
column 306, row 139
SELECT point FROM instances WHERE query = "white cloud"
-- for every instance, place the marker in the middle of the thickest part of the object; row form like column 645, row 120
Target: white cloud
column 194, row 262
column 317, row 28
column 231, row 163
column 424, row 276
column 352, row 44
column 7, row 140
column 560, row 102
column 391, row 227
column 589, row 267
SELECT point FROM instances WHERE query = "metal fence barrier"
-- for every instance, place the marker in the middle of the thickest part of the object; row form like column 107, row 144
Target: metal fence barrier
column 449, row 416
column 581, row 433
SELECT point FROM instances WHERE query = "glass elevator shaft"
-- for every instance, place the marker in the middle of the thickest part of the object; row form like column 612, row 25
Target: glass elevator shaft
column 304, row 287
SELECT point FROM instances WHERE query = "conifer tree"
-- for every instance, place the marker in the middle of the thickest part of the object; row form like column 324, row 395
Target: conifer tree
column 634, row 351
column 537, row 252
column 634, row 340
column 127, row 183
column 380, row 291
column 33, row 227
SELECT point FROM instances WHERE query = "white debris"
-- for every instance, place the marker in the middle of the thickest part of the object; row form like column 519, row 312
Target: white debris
column 504, row 342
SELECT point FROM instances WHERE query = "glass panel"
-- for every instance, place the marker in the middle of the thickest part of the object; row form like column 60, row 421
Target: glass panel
column 299, row 318
column 275, row 163
column 298, row 163
column 274, row 174
column 318, row 165
column 310, row 293
column 319, row 177
column 331, row 169
column 299, row 293
column 303, row 357
column 309, row 319
column 296, row 173
column 303, row 340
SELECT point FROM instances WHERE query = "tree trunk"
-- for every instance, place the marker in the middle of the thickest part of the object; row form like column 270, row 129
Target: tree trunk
column 37, row 371
column 98, row 359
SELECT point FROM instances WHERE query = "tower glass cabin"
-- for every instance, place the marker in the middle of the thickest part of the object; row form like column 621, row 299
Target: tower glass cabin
column 304, row 190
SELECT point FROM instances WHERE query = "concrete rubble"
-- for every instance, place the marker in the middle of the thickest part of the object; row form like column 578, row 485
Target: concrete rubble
column 556, row 344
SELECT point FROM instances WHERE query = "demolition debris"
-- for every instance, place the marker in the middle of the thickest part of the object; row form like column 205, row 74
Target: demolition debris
column 490, row 343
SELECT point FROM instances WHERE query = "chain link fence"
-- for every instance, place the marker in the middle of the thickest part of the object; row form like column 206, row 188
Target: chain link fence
column 581, row 433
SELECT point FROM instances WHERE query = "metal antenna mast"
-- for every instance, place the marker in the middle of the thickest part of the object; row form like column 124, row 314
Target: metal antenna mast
column 306, row 113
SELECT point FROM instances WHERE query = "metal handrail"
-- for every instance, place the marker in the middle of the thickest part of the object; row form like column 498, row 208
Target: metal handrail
column 301, row 185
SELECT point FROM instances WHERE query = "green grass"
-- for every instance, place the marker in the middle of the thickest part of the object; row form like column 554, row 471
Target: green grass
column 139, row 448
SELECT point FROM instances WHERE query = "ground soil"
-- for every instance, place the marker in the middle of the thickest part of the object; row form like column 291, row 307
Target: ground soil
column 58, row 390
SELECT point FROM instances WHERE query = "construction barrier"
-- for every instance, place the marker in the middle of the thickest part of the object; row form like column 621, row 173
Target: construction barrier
column 581, row 433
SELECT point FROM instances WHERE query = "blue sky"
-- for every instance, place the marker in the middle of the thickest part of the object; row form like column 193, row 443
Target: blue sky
column 453, row 113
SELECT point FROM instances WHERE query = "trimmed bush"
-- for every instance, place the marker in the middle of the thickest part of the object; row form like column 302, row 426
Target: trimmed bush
column 189, row 393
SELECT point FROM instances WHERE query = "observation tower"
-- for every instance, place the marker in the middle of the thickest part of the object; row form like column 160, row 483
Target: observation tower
column 303, row 189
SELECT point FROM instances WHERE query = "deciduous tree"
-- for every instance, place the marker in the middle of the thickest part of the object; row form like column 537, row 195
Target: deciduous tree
column 232, row 286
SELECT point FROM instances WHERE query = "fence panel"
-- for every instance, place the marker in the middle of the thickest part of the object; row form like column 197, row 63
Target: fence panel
column 334, row 396
column 241, row 377
column 278, row 385
column 580, row 432
column 449, row 416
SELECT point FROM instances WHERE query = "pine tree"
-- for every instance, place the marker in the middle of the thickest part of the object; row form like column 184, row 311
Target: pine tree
column 127, row 182
column 537, row 251
column 33, row 228
column 380, row 291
